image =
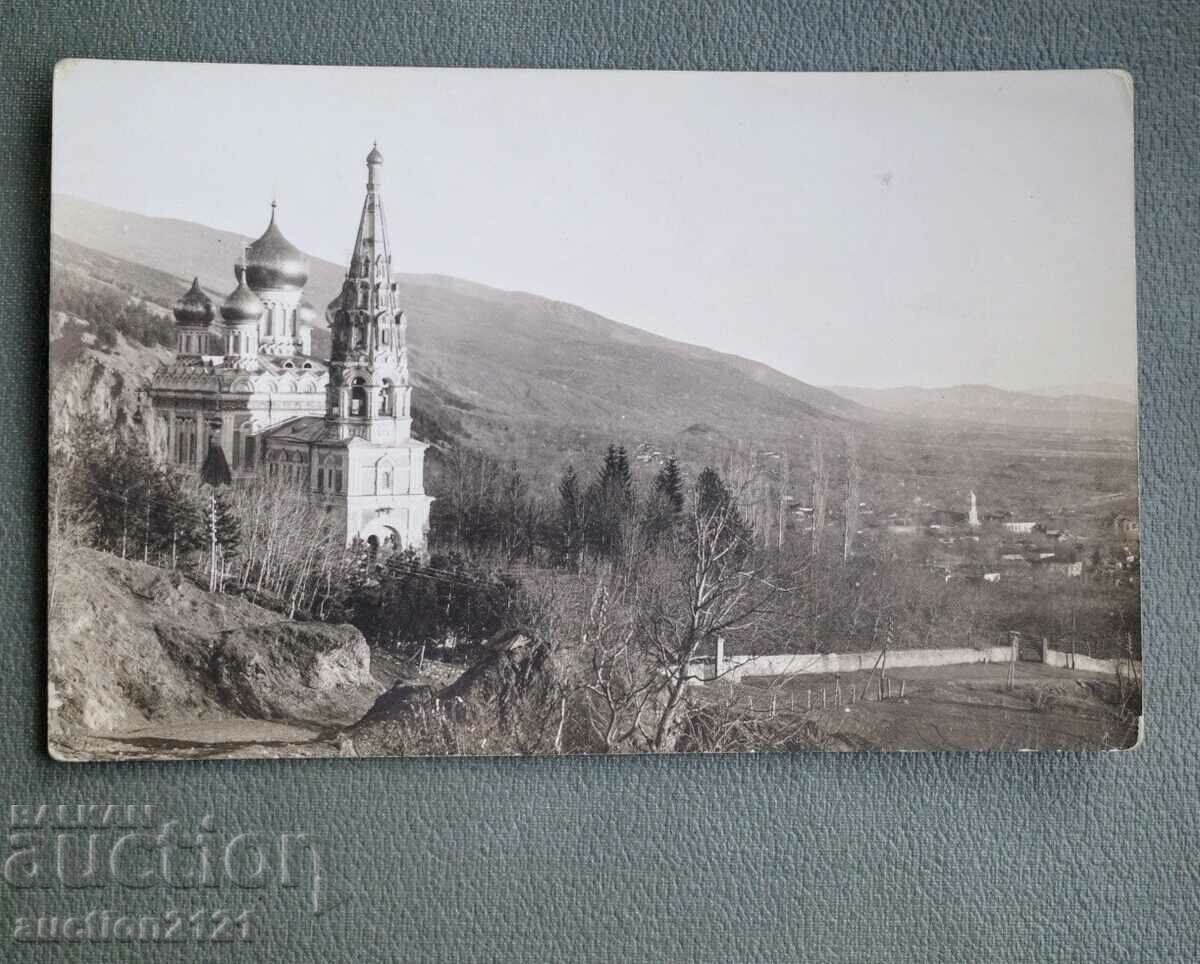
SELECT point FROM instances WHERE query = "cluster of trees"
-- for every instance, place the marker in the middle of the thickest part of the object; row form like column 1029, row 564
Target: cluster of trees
column 107, row 492
column 290, row 554
column 487, row 508
column 604, row 519
column 616, row 638
column 109, row 310
column 265, row 539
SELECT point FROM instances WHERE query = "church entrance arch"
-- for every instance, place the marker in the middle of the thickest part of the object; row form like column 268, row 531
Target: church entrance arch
column 382, row 540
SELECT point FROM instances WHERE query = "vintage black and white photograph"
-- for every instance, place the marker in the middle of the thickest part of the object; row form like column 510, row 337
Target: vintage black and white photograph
column 426, row 412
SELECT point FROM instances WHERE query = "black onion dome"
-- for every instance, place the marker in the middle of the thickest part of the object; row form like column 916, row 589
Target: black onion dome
column 242, row 305
column 195, row 307
column 274, row 262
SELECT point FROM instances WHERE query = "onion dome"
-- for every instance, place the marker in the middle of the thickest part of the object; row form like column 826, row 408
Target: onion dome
column 274, row 262
column 306, row 313
column 242, row 305
column 332, row 309
column 195, row 308
column 374, row 157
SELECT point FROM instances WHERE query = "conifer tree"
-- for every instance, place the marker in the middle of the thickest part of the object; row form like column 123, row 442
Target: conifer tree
column 229, row 529
column 669, row 483
column 714, row 499
column 609, row 503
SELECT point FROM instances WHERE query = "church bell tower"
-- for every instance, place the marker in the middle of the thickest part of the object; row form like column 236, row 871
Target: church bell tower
column 368, row 395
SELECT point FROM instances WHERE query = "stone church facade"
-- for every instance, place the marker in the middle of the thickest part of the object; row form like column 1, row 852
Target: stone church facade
column 245, row 384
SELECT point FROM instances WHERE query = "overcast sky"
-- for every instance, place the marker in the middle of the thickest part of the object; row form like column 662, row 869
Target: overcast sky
column 861, row 229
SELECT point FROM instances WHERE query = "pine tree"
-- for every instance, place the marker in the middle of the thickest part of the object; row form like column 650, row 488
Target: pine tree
column 615, row 475
column 623, row 476
column 711, row 492
column 609, row 503
column 669, row 483
column 714, row 500
column 229, row 529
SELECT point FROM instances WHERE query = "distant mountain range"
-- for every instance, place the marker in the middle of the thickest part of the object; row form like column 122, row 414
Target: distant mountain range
column 519, row 374
column 985, row 404
column 1112, row 390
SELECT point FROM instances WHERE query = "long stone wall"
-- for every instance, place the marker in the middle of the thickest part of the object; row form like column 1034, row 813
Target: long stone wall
column 789, row 664
column 1087, row 664
column 734, row 668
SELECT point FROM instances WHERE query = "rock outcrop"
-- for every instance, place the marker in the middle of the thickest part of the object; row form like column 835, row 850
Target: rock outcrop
column 133, row 645
column 509, row 663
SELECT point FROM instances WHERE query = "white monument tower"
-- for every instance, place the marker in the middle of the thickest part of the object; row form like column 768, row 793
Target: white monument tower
column 973, row 516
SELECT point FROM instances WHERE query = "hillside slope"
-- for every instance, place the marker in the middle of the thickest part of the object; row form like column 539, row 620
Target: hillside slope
column 517, row 373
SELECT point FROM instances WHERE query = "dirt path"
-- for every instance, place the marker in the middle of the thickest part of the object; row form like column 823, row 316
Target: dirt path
column 207, row 739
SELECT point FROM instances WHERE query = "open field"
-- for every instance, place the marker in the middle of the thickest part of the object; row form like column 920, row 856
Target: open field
column 947, row 708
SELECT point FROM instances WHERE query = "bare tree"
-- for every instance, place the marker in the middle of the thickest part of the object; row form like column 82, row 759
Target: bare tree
column 784, row 482
column 820, row 492
column 644, row 661
column 850, row 522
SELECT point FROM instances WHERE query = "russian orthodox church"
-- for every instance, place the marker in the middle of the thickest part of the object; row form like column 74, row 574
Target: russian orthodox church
column 245, row 394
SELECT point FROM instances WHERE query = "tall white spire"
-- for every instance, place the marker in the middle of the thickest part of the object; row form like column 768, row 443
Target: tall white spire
column 368, row 389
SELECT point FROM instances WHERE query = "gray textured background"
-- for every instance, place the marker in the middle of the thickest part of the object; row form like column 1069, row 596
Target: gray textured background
column 824, row 858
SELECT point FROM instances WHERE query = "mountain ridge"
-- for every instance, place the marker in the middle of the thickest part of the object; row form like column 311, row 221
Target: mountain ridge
column 992, row 405
column 189, row 249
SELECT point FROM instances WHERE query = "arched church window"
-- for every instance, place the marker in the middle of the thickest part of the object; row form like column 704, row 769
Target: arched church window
column 358, row 397
column 385, row 397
